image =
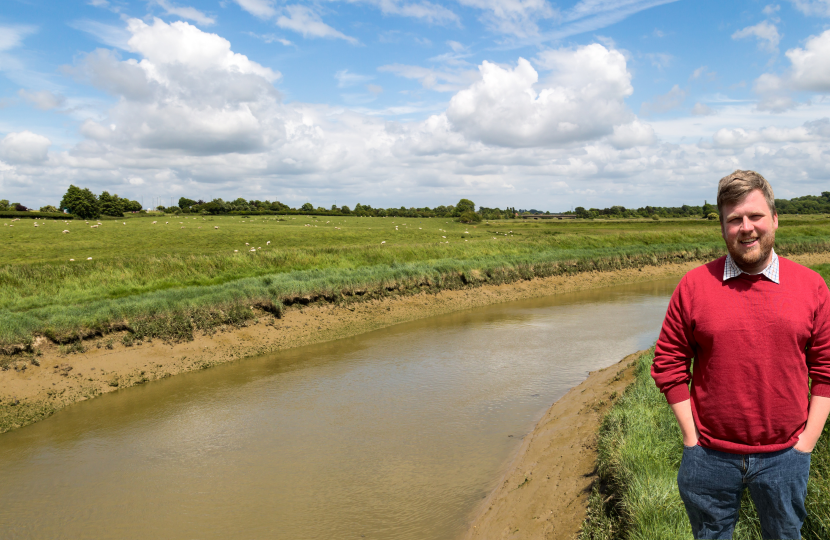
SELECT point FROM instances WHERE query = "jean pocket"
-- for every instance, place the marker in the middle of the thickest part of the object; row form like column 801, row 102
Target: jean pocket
column 801, row 453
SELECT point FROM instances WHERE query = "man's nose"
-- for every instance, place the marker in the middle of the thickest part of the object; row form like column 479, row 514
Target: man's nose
column 746, row 224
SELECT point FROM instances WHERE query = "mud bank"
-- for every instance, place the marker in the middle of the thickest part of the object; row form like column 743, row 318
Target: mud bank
column 34, row 386
column 544, row 493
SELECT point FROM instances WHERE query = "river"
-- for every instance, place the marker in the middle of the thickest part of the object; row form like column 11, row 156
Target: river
column 396, row 434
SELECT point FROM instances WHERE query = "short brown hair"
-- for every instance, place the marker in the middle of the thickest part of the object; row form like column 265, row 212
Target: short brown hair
column 736, row 186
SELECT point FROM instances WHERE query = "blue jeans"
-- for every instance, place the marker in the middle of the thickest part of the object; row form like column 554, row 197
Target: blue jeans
column 711, row 485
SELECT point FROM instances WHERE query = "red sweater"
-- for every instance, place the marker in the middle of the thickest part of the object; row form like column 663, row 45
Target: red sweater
column 754, row 343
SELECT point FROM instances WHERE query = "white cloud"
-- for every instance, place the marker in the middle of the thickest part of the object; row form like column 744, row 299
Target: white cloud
column 189, row 93
column 811, row 65
column 582, row 99
column 114, row 36
column 672, row 99
column 264, row 9
column 12, row 36
column 591, row 15
column 43, row 100
column 24, row 147
column 432, row 79
column 820, row 8
column 514, row 17
column 771, row 9
column 305, row 21
column 185, row 12
column 633, row 134
column 766, row 33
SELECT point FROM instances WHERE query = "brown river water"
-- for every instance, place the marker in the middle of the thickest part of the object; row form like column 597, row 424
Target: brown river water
column 396, row 434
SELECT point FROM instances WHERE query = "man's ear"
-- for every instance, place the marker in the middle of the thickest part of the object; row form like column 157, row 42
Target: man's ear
column 775, row 221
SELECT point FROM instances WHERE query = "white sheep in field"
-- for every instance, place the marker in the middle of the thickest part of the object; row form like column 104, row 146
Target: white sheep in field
column 216, row 227
column 253, row 249
column 182, row 227
column 247, row 244
column 65, row 232
column 89, row 258
column 383, row 242
column 167, row 223
column 154, row 222
column 71, row 260
column 93, row 226
column 124, row 222
column 236, row 251
column 36, row 225
column 268, row 243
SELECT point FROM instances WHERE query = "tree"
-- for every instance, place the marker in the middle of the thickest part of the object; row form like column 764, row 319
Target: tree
column 81, row 202
column 469, row 217
column 130, row 206
column 20, row 208
column 4, row 204
column 49, row 208
column 111, row 205
column 307, row 207
column 184, row 202
column 465, row 205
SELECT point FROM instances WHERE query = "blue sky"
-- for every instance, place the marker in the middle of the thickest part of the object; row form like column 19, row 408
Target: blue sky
column 526, row 103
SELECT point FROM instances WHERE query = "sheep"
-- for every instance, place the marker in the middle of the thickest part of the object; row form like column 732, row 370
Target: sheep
column 124, row 222
column 93, row 226
column 71, row 260
column 268, row 243
column 65, row 232
column 154, row 222
column 216, row 227
column 253, row 249
column 247, row 244
column 89, row 258
column 236, row 251
column 383, row 242
column 36, row 225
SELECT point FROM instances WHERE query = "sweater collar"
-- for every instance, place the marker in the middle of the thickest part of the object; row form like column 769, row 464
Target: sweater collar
column 731, row 270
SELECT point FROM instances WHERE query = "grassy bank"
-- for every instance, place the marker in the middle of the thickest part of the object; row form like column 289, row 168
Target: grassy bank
column 167, row 277
column 640, row 447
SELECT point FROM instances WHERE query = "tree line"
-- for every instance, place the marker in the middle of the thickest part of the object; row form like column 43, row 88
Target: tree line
column 808, row 204
column 85, row 204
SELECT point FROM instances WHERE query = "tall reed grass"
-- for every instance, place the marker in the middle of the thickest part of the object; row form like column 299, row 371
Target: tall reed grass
column 640, row 447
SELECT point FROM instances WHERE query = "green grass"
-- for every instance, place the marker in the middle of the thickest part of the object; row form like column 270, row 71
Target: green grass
column 640, row 448
column 167, row 281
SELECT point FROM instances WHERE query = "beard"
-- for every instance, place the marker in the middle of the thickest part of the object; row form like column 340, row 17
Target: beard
column 747, row 259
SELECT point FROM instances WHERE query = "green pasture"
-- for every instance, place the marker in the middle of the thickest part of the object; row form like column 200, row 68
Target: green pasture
column 128, row 273
column 640, row 447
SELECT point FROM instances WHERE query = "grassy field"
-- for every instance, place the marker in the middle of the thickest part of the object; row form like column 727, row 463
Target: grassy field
column 168, row 278
column 639, row 454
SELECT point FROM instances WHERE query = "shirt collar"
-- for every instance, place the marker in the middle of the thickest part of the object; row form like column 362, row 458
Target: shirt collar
column 731, row 270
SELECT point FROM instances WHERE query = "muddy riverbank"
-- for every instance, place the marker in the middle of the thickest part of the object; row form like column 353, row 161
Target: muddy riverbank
column 544, row 493
column 34, row 386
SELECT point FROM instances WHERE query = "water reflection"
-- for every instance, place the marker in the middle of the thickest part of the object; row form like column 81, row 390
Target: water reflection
column 394, row 434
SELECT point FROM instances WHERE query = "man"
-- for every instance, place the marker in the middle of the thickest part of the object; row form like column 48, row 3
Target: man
column 757, row 325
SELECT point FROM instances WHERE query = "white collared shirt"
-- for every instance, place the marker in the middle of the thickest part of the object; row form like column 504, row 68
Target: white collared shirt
column 731, row 270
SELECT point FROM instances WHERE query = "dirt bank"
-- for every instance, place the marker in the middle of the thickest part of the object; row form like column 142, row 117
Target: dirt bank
column 34, row 386
column 544, row 493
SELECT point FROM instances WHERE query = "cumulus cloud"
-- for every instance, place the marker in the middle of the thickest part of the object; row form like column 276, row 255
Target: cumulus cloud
column 43, row 100
column 190, row 92
column 582, row 99
column 24, row 147
column 306, row 21
column 811, row 65
column 632, row 134
column 766, row 33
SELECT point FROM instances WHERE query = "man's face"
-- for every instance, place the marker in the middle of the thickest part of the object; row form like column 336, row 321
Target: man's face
column 749, row 231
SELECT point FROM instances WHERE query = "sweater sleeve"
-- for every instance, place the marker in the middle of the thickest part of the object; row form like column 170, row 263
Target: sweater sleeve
column 818, row 351
column 674, row 350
